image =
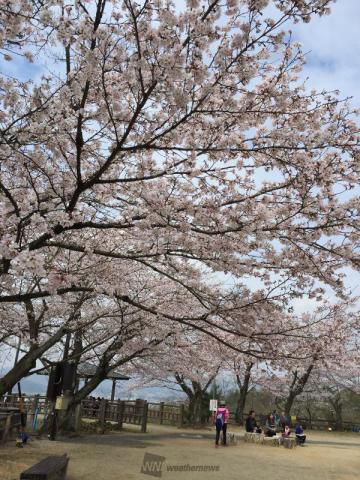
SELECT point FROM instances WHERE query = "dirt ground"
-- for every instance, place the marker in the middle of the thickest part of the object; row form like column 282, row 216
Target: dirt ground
column 120, row 455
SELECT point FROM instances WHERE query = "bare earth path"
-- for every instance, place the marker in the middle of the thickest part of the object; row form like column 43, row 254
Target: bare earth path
column 117, row 456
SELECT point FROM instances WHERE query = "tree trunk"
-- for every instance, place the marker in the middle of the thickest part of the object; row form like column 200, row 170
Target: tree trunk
column 195, row 409
column 337, row 405
column 67, row 422
column 198, row 410
column 240, row 407
column 243, row 392
column 289, row 403
column 296, row 388
column 100, row 374
column 309, row 412
column 25, row 364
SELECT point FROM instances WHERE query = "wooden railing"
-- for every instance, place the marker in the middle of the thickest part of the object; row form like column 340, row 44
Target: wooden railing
column 135, row 412
column 166, row 414
column 38, row 407
column 9, row 421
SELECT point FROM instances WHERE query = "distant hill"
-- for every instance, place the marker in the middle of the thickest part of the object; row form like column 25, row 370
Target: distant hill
column 37, row 384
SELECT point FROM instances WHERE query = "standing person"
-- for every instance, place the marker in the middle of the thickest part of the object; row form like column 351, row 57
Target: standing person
column 221, row 419
column 251, row 424
column 277, row 422
column 284, row 421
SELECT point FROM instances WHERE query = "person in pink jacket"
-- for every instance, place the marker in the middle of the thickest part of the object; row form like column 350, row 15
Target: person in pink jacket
column 221, row 419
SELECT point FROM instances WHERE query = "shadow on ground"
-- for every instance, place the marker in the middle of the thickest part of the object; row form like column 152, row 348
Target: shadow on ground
column 136, row 440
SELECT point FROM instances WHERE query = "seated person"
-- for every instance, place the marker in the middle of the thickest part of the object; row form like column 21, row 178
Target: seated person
column 251, row 424
column 286, row 432
column 270, row 428
column 300, row 436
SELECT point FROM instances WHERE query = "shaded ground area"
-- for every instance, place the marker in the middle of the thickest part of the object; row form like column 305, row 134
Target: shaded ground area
column 120, row 455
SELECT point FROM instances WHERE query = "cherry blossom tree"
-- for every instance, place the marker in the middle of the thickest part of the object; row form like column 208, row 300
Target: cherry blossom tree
column 324, row 344
column 164, row 144
column 332, row 382
column 187, row 363
column 120, row 340
column 169, row 134
column 39, row 326
column 243, row 368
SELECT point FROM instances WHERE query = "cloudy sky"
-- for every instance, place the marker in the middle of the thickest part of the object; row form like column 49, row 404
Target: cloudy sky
column 333, row 43
column 333, row 62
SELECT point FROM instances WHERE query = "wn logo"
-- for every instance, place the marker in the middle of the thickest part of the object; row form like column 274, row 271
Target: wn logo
column 152, row 465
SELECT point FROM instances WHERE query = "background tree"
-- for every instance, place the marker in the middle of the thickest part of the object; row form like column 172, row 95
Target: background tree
column 324, row 343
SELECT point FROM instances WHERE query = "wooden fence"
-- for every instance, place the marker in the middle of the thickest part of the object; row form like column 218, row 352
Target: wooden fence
column 9, row 421
column 136, row 412
column 120, row 411
column 166, row 414
column 38, row 407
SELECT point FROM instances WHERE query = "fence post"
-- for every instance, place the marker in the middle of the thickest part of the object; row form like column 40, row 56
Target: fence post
column 161, row 413
column 182, row 411
column 121, row 413
column 102, row 413
column 144, row 417
column 138, row 411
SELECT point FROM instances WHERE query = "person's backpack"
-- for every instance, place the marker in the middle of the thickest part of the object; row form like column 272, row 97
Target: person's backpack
column 219, row 422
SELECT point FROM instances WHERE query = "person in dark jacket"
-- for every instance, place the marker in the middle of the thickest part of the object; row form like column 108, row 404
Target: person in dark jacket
column 270, row 427
column 300, row 436
column 251, row 424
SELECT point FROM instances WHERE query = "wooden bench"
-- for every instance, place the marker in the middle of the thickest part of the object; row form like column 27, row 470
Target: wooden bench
column 253, row 437
column 50, row 468
column 274, row 441
column 231, row 438
column 288, row 442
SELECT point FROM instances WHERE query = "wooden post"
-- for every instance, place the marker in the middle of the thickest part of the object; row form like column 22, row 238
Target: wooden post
column 138, row 411
column 182, row 411
column 113, row 389
column 161, row 413
column 144, row 417
column 102, row 413
column 121, row 410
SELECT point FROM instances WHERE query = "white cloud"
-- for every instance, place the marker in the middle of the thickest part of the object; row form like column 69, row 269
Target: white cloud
column 333, row 43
